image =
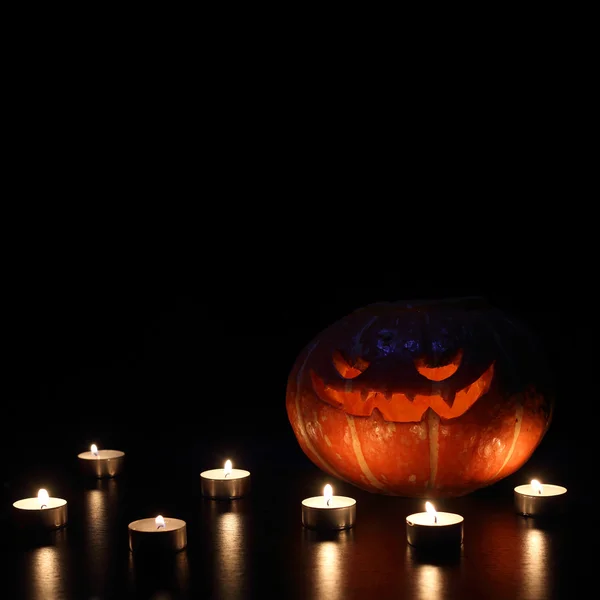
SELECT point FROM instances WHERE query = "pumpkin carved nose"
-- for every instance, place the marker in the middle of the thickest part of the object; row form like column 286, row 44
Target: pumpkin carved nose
column 439, row 373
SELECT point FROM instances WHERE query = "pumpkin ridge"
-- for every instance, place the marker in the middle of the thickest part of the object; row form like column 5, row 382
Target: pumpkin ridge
column 300, row 421
column 360, row 457
column 433, row 430
column 518, row 423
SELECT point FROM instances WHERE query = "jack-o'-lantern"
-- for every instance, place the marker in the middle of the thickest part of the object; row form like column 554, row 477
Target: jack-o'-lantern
column 425, row 399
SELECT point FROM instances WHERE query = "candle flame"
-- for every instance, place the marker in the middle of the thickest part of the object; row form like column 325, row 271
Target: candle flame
column 431, row 510
column 227, row 468
column 43, row 498
column 537, row 486
column 160, row 522
column 94, row 449
column 328, row 493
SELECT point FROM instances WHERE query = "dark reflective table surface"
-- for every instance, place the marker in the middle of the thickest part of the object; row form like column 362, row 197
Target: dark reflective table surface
column 256, row 546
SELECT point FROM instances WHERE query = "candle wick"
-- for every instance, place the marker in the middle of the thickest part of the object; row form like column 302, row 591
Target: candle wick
column 435, row 519
column 159, row 526
column 43, row 506
column 540, row 492
column 226, row 474
column 328, row 500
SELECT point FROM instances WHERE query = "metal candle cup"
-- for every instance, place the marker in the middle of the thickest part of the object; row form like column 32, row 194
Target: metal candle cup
column 434, row 530
column 328, row 512
column 41, row 513
column 157, row 535
column 101, row 463
column 537, row 500
column 226, row 483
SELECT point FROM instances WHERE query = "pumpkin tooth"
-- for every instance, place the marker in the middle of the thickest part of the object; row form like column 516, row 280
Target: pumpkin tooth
column 411, row 397
column 365, row 395
column 447, row 396
column 388, row 394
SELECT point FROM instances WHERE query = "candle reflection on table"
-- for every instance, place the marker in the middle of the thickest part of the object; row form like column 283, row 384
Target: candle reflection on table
column 535, row 568
column 47, row 565
column 433, row 572
column 430, row 582
column 229, row 547
column 159, row 576
column 100, row 506
column 327, row 555
column 329, row 571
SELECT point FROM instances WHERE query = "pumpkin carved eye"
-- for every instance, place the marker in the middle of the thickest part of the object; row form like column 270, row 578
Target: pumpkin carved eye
column 346, row 368
column 441, row 372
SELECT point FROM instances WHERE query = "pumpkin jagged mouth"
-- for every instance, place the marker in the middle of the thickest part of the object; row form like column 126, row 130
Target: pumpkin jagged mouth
column 399, row 407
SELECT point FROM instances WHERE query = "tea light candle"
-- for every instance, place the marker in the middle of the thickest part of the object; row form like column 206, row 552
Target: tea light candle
column 225, row 483
column 42, row 512
column 157, row 535
column 328, row 512
column 101, row 463
column 537, row 500
column 432, row 529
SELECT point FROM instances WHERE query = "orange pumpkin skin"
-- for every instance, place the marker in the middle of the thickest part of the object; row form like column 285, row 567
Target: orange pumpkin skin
column 421, row 400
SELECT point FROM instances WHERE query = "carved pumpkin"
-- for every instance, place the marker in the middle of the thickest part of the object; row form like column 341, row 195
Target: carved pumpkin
column 421, row 400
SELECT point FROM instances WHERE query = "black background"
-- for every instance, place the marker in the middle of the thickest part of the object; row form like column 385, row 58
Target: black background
column 174, row 235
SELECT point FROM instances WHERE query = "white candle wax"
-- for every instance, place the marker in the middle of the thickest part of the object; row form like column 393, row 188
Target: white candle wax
column 433, row 529
column 157, row 535
column 43, row 512
column 328, row 511
column 320, row 502
column 221, row 474
column 101, row 463
column 443, row 518
column 536, row 499
column 225, row 483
